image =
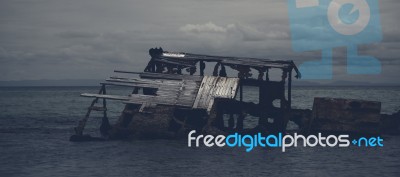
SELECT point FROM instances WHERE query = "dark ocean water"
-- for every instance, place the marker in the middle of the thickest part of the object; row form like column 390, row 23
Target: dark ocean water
column 36, row 122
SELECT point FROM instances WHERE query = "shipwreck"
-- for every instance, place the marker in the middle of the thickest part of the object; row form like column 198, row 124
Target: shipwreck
column 175, row 94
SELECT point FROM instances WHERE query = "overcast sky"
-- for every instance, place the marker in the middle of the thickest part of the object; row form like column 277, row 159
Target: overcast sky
column 88, row 39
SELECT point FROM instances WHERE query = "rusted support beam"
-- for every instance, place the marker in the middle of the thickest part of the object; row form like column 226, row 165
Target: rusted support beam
column 82, row 123
column 290, row 89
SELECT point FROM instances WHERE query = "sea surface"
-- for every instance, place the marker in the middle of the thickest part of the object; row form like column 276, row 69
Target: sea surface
column 36, row 123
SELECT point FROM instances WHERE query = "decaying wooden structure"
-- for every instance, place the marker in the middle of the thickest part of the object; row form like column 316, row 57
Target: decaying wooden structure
column 174, row 93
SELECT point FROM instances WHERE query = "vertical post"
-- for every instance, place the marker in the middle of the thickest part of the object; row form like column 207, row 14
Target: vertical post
column 192, row 71
column 105, row 124
column 104, row 102
column 202, row 67
column 231, row 121
column 241, row 90
column 239, row 124
column 153, row 68
column 260, row 94
column 283, row 99
column 262, row 119
column 135, row 90
column 290, row 89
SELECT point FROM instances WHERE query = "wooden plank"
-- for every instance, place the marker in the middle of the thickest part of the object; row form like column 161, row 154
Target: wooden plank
column 171, row 76
column 154, row 86
column 151, row 99
column 142, row 107
column 228, row 92
column 127, row 72
column 205, row 89
column 251, row 62
column 162, row 75
column 210, row 94
column 160, row 103
column 165, row 60
column 226, row 89
column 149, row 82
column 218, row 87
column 179, row 91
column 206, row 92
column 223, row 88
column 197, row 57
column 214, row 92
column 203, row 94
column 139, row 80
column 138, row 97
column 111, row 97
column 128, row 84
column 221, row 93
column 235, row 88
column 199, row 93
column 188, row 94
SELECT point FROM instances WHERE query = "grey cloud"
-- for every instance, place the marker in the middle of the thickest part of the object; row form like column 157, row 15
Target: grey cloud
column 77, row 34
column 244, row 32
column 79, row 39
column 203, row 28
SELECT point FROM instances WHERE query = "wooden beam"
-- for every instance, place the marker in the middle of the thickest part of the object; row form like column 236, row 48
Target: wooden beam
column 290, row 89
column 127, row 72
column 162, row 75
column 110, row 97
column 171, row 76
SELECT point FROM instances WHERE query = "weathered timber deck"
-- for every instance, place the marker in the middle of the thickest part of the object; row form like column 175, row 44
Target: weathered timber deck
column 180, row 91
column 213, row 87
